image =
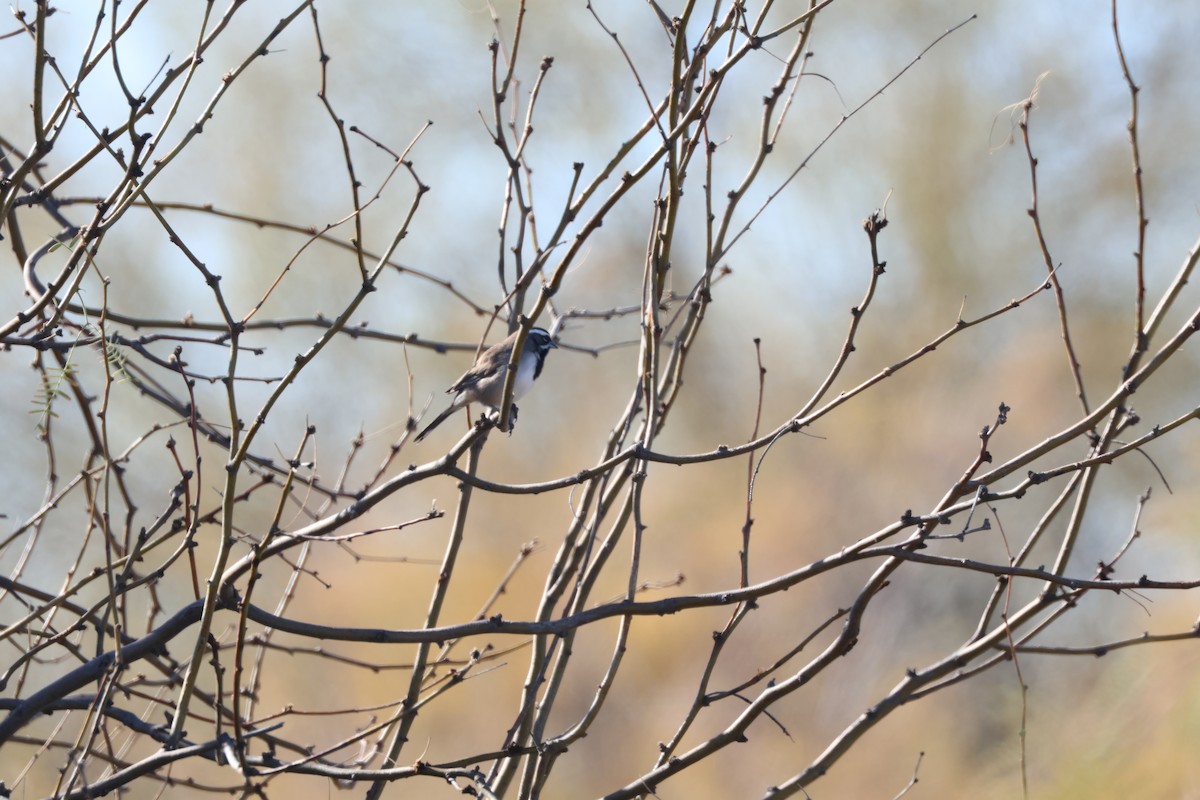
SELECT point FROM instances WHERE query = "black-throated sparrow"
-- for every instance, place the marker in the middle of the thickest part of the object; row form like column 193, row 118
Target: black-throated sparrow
column 483, row 383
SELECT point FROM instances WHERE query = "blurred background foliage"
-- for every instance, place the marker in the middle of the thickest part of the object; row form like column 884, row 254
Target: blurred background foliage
column 936, row 145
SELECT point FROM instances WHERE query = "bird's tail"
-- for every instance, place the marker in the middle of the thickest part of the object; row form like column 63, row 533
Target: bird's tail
column 438, row 420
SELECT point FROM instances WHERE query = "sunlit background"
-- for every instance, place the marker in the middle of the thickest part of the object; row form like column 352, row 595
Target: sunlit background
column 937, row 147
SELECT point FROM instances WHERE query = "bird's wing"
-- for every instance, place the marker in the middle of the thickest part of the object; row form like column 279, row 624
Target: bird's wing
column 478, row 373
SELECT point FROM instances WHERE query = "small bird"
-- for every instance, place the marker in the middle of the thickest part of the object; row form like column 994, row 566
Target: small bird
column 483, row 383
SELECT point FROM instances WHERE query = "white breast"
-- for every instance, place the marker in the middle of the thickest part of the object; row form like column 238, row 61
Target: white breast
column 525, row 372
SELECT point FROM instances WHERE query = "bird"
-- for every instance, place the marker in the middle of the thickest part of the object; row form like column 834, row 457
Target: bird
column 483, row 383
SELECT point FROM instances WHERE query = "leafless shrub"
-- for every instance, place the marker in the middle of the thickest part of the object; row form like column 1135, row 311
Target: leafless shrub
column 159, row 593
